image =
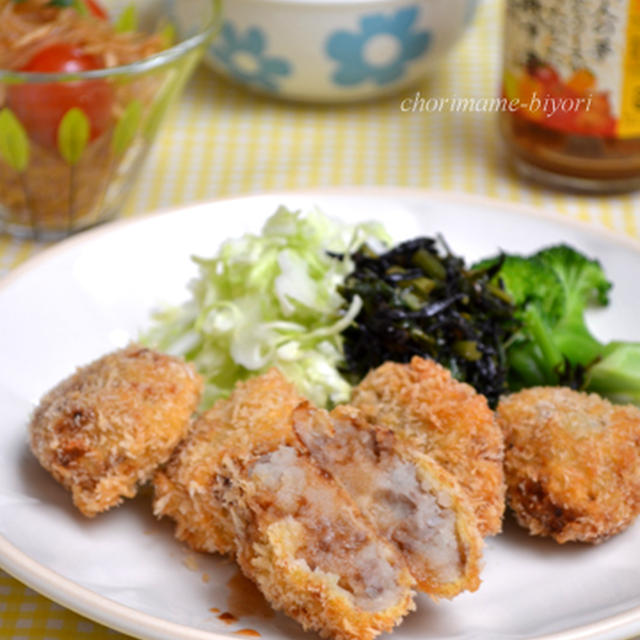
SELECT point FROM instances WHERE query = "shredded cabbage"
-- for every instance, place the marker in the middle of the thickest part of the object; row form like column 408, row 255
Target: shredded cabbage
column 270, row 300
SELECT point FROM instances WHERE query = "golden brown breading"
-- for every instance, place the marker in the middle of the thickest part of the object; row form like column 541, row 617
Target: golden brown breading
column 313, row 555
column 104, row 430
column 241, row 483
column 454, row 424
column 409, row 498
column 253, row 420
column 572, row 463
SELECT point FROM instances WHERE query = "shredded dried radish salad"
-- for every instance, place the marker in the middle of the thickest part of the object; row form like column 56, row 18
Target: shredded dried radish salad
column 68, row 148
column 30, row 26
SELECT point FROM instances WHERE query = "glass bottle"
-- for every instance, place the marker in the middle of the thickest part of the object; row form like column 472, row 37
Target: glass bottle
column 571, row 92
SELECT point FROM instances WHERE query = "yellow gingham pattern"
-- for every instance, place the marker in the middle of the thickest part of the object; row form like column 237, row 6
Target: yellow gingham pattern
column 223, row 141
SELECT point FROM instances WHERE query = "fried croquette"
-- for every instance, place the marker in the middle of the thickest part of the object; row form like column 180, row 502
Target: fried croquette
column 572, row 463
column 308, row 548
column 410, row 499
column 238, row 484
column 451, row 420
column 255, row 419
column 105, row 429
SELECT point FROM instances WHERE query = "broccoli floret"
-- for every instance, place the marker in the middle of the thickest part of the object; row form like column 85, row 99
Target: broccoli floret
column 617, row 374
column 584, row 283
column 583, row 279
column 529, row 280
column 552, row 290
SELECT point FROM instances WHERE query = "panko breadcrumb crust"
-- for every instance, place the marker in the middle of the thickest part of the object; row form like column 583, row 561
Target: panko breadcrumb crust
column 207, row 490
column 105, row 429
column 429, row 473
column 572, row 463
column 312, row 597
column 254, row 419
column 453, row 423
column 271, row 551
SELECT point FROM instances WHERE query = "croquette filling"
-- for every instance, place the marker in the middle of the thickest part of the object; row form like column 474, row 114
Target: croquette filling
column 336, row 540
column 405, row 506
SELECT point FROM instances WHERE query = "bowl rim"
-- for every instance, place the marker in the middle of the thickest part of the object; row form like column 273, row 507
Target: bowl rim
column 160, row 59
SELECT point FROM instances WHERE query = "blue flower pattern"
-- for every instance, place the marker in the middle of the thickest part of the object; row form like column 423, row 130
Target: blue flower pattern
column 349, row 48
column 245, row 57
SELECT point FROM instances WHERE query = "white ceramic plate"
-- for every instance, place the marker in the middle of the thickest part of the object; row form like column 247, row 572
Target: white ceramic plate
column 94, row 292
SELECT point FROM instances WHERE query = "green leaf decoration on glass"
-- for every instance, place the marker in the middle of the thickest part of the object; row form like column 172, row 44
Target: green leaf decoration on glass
column 73, row 135
column 14, row 142
column 171, row 88
column 167, row 35
column 127, row 20
column 160, row 104
column 126, row 128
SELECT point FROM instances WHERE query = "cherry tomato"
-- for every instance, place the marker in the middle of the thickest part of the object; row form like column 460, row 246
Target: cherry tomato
column 97, row 9
column 41, row 107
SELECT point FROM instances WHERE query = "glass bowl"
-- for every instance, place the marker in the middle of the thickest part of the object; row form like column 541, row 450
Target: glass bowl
column 73, row 143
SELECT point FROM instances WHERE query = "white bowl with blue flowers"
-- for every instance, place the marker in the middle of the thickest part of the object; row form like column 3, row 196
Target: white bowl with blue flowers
column 332, row 50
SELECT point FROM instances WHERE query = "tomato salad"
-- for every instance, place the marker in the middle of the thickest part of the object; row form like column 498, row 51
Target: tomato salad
column 57, row 137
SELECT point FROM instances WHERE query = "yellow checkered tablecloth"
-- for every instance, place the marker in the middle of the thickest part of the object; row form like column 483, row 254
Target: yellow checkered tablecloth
column 222, row 141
